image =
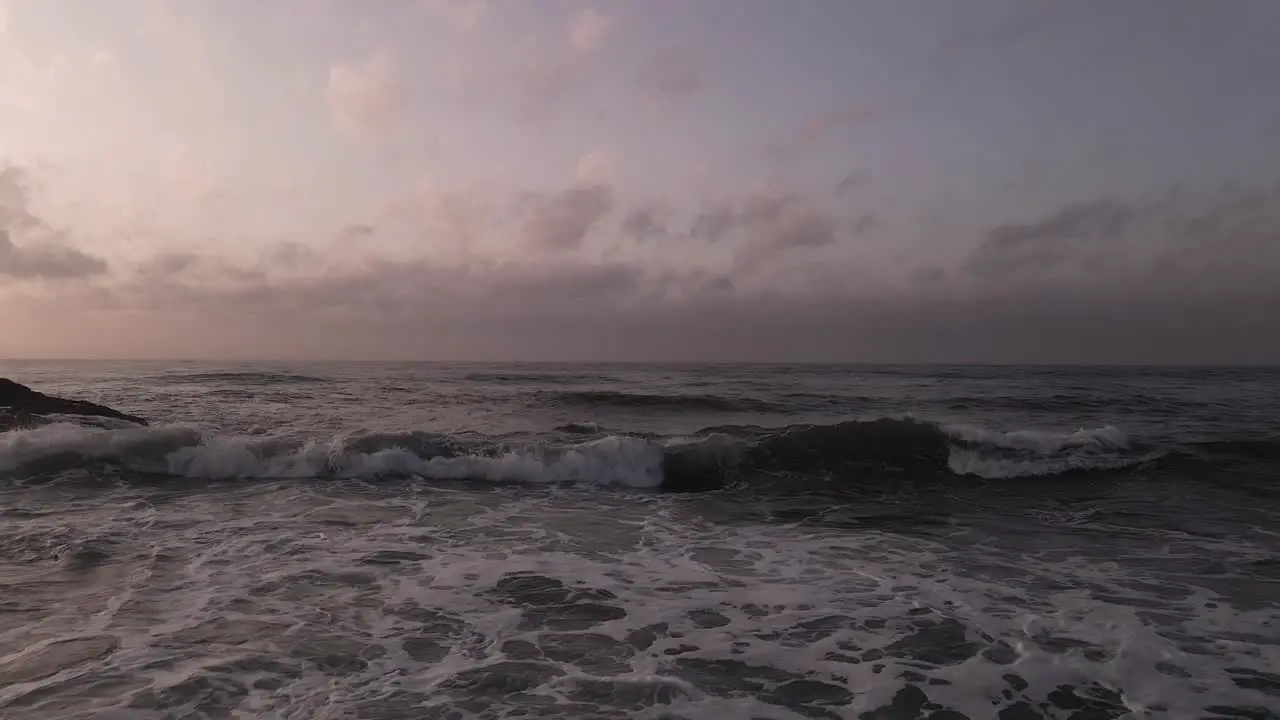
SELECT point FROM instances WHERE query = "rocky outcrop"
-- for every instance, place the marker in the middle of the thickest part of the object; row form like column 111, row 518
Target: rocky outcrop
column 20, row 406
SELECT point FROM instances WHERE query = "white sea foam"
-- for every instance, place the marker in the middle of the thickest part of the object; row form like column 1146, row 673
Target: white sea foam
column 1043, row 443
column 262, row 600
column 186, row 452
column 970, row 462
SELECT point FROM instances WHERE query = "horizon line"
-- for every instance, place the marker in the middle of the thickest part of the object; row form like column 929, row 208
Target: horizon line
column 864, row 363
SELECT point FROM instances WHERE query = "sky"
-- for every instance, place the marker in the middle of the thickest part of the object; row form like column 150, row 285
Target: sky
column 986, row 181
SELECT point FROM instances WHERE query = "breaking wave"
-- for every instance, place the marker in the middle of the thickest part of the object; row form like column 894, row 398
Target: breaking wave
column 180, row 451
column 851, row 452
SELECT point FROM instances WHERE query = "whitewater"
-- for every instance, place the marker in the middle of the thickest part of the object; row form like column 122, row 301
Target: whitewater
column 330, row 540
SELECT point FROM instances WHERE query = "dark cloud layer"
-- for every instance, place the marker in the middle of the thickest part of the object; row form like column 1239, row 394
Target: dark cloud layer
column 1072, row 231
column 777, row 223
column 42, row 256
column 624, row 312
column 1214, row 242
column 46, row 261
column 855, row 180
column 1179, row 278
column 647, row 222
column 714, row 222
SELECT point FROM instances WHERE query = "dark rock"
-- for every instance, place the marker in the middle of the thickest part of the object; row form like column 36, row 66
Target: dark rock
column 20, row 406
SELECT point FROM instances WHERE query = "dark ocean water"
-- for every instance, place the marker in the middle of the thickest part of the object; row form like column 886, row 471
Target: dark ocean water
column 500, row 541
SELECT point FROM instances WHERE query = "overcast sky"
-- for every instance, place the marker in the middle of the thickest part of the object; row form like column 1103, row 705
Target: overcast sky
column 887, row 180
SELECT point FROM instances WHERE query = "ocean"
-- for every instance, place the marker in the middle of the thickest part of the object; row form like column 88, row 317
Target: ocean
column 378, row 541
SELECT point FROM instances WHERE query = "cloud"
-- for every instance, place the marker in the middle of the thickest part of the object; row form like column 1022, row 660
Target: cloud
column 46, row 262
column 1024, row 21
column 818, row 129
column 44, row 255
column 777, row 223
column 1068, row 232
column 669, row 77
column 587, row 30
column 596, row 167
column 866, row 223
column 1179, row 246
column 168, row 265
column 1192, row 280
column 1181, row 277
column 546, row 80
column 15, row 200
column 855, row 180
column 768, row 223
column 716, row 220
column 356, row 231
column 459, row 15
column 622, row 311
column 364, row 99
column 562, row 220
column 645, row 223
column 103, row 61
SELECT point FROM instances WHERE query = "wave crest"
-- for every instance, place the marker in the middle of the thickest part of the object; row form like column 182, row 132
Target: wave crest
column 181, row 451
column 849, row 452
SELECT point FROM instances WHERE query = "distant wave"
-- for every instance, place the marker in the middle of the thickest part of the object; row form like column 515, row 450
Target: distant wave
column 247, row 378
column 509, row 378
column 1067, row 403
column 677, row 402
column 1254, row 448
column 850, row 452
column 580, row 428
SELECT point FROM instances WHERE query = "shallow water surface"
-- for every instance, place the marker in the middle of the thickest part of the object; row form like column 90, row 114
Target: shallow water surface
column 419, row 541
